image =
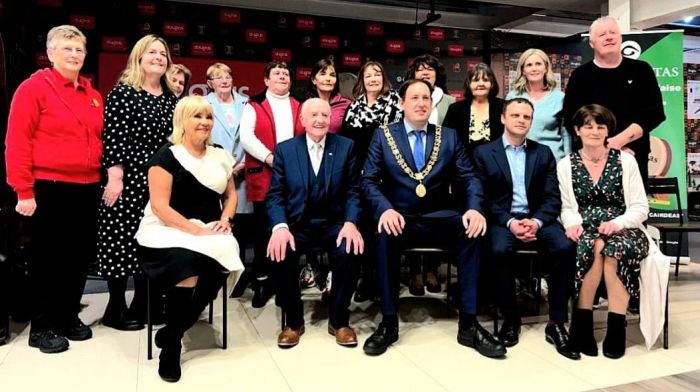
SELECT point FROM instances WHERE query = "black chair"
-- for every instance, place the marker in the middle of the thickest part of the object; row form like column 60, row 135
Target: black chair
column 669, row 186
column 316, row 257
column 224, row 306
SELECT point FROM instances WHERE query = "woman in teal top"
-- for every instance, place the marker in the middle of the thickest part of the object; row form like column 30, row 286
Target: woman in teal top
column 534, row 81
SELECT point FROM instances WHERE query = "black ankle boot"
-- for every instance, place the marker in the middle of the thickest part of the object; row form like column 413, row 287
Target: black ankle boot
column 616, row 336
column 581, row 332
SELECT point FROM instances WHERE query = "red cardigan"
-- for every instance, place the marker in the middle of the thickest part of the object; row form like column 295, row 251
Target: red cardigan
column 54, row 132
column 257, row 174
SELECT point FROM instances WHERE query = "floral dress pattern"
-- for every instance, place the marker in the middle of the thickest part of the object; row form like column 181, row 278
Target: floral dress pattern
column 479, row 130
column 602, row 202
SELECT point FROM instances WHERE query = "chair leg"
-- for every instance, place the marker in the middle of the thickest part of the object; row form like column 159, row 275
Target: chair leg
column 666, row 322
column 211, row 312
column 149, row 325
column 678, row 251
column 447, row 287
column 224, row 317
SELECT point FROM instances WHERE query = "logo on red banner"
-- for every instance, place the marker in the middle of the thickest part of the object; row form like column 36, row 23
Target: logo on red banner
column 174, row 29
column 472, row 63
column 352, row 60
column 394, row 46
column 114, row 44
column 202, row 49
column 256, row 35
column 455, row 50
column 306, row 23
column 51, row 3
column 147, row 8
column 84, row 22
column 329, row 42
column 374, row 29
column 42, row 60
column 459, row 94
column 436, row 34
column 303, row 73
column 230, row 16
column 282, row 55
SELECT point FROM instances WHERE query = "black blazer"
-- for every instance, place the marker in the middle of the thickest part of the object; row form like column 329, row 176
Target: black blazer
column 459, row 113
column 288, row 193
column 541, row 184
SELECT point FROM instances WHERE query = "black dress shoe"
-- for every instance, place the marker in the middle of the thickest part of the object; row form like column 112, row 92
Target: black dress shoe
column 262, row 292
column 481, row 340
column 509, row 334
column 381, row 339
column 77, row 331
column 415, row 286
column 120, row 322
column 48, row 342
column 556, row 334
column 432, row 284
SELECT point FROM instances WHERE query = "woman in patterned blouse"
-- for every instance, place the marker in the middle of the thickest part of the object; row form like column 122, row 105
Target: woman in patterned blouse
column 477, row 118
column 138, row 120
column 375, row 103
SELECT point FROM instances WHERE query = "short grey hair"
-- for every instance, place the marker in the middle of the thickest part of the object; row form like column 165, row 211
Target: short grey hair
column 65, row 32
column 600, row 20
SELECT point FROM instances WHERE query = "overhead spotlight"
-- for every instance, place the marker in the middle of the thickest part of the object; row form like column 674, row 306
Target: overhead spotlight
column 688, row 19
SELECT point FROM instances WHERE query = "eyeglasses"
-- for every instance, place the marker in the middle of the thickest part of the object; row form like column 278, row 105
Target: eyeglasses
column 220, row 78
column 68, row 51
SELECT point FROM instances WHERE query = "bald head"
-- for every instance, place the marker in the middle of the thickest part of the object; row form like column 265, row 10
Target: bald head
column 316, row 118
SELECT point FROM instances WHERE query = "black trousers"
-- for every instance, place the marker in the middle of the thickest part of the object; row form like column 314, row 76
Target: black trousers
column 441, row 231
column 322, row 234
column 261, row 228
column 64, row 228
column 559, row 256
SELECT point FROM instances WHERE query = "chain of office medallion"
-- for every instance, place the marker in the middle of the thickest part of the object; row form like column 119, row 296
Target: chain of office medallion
column 420, row 176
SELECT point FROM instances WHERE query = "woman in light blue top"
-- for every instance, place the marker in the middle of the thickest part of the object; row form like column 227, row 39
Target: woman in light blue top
column 534, row 80
column 228, row 108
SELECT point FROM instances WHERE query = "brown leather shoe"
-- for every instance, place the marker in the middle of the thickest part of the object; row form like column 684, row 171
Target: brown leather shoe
column 289, row 337
column 344, row 336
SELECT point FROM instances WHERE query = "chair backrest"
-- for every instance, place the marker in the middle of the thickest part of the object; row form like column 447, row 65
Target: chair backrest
column 667, row 186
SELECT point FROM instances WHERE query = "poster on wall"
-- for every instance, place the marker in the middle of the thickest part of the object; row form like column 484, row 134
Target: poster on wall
column 694, row 99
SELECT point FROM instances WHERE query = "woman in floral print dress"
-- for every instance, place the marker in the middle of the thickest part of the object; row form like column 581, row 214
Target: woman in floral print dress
column 604, row 206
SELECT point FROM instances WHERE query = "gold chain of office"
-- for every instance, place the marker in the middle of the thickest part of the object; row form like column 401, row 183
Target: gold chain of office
column 421, row 175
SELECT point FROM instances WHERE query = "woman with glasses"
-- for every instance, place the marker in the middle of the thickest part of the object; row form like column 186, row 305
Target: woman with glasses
column 54, row 146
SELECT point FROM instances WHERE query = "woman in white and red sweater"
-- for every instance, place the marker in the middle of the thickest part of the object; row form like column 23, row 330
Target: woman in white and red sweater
column 53, row 153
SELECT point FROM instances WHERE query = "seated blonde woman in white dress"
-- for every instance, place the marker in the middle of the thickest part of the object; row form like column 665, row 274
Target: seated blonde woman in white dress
column 185, row 233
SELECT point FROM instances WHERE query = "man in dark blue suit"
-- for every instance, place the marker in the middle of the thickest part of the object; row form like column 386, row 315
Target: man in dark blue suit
column 419, row 183
column 314, row 201
column 519, row 177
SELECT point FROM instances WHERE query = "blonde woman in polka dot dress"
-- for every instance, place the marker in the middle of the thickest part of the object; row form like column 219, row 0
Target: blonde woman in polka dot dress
column 138, row 120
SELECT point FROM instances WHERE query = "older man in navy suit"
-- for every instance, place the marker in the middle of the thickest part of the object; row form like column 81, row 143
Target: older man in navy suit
column 314, row 200
column 519, row 177
column 423, row 192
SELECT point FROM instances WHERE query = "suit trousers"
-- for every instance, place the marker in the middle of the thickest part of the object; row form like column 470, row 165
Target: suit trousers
column 307, row 236
column 261, row 229
column 444, row 232
column 64, row 228
column 559, row 256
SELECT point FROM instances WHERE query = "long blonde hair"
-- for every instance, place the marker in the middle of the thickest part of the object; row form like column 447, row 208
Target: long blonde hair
column 520, row 84
column 134, row 76
column 185, row 109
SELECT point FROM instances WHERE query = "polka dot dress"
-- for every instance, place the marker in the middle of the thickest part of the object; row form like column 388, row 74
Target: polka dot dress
column 137, row 124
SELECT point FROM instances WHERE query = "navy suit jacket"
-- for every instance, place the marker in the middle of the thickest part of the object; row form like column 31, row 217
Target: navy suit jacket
column 451, row 184
column 541, row 184
column 290, row 184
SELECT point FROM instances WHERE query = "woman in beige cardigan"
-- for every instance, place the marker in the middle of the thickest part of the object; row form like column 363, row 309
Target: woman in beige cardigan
column 604, row 206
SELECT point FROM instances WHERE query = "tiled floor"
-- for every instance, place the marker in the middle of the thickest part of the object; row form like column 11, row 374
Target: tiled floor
column 426, row 358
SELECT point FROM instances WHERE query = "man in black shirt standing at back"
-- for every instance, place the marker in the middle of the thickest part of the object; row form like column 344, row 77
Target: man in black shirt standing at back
column 625, row 86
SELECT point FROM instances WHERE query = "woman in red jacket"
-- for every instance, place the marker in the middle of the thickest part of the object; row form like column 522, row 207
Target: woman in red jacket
column 54, row 148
